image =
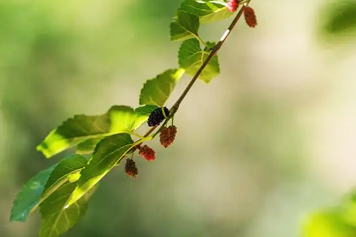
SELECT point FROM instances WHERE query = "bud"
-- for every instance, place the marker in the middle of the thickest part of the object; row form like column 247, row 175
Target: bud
column 250, row 17
column 168, row 135
column 147, row 152
column 232, row 5
column 130, row 168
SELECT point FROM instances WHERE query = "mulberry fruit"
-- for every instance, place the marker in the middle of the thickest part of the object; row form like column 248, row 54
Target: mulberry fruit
column 168, row 135
column 147, row 152
column 232, row 5
column 250, row 17
column 130, row 168
column 157, row 116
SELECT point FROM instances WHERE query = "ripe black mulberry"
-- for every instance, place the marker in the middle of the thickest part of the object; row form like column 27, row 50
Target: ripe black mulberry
column 156, row 117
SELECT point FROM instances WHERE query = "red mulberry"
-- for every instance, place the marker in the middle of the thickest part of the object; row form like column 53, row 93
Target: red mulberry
column 157, row 116
column 250, row 17
column 168, row 135
column 130, row 168
column 147, row 152
column 232, row 5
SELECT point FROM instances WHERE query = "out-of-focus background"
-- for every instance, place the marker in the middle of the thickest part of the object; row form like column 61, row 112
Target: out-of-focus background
column 272, row 138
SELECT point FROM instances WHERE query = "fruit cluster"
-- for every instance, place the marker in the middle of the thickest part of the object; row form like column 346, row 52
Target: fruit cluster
column 167, row 136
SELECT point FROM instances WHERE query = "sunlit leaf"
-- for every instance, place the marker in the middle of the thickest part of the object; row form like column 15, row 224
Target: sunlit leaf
column 184, row 26
column 107, row 154
column 157, row 90
column 30, row 195
column 207, row 11
column 142, row 113
column 191, row 57
column 76, row 130
column 348, row 208
column 56, row 218
column 327, row 224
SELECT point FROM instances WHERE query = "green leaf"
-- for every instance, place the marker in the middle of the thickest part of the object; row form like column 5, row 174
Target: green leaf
column 141, row 114
column 207, row 11
column 109, row 152
column 30, row 195
column 191, row 57
column 327, row 223
column 184, row 26
column 76, row 130
column 87, row 147
column 157, row 90
column 68, row 166
column 41, row 186
column 341, row 17
column 348, row 208
column 57, row 218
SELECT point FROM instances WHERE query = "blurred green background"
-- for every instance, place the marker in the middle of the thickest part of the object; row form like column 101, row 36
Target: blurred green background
column 264, row 144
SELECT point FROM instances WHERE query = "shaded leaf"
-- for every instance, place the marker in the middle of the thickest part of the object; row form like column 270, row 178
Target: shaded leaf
column 207, row 11
column 56, row 218
column 68, row 166
column 107, row 154
column 157, row 90
column 191, row 57
column 341, row 17
column 30, row 195
column 87, row 147
column 76, row 130
column 184, row 26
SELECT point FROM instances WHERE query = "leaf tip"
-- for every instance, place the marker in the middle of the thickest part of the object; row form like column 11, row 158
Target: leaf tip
column 43, row 148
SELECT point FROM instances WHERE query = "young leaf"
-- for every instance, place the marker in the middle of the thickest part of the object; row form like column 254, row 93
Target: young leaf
column 81, row 128
column 184, row 26
column 107, row 154
column 191, row 57
column 157, row 90
column 207, row 11
column 56, row 218
column 30, row 195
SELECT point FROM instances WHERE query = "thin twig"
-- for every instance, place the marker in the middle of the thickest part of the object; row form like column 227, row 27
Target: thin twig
column 207, row 60
column 215, row 49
